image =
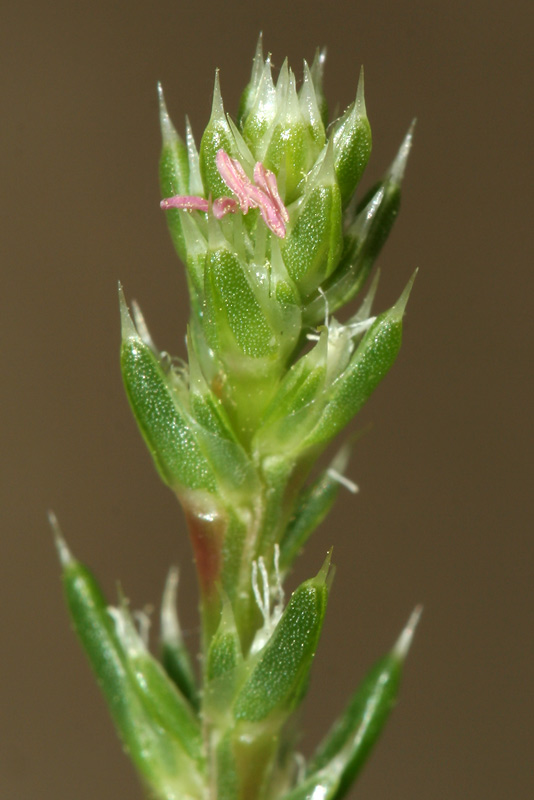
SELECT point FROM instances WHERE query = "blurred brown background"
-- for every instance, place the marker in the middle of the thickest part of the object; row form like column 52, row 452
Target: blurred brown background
column 443, row 516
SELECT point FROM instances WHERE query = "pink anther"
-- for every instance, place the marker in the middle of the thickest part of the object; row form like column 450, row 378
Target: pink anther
column 224, row 205
column 185, row 202
column 235, row 178
column 266, row 180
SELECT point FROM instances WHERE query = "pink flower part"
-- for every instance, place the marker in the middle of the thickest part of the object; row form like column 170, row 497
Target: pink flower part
column 263, row 195
column 224, row 205
column 271, row 215
column 266, row 180
column 269, row 211
column 185, row 202
column 235, row 178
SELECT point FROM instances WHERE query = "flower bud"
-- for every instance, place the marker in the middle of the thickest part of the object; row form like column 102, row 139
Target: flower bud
column 191, row 456
column 234, row 322
column 252, row 324
column 194, row 257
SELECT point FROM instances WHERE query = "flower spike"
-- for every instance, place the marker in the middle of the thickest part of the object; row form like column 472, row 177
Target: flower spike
column 272, row 377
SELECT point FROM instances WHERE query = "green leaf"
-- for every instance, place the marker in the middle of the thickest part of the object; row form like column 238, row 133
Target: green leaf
column 173, row 173
column 352, row 145
column 222, row 655
column 317, row 70
column 349, row 743
column 370, row 363
column 175, row 656
column 276, row 472
column 361, row 724
column 162, row 419
column 311, row 114
column 226, row 770
column 164, row 704
column 217, row 136
column 235, row 324
column 312, row 248
column 364, row 239
column 314, row 504
column 321, row 785
column 288, row 154
column 278, row 681
column 223, row 660
column 294, row 408
column 157, row 752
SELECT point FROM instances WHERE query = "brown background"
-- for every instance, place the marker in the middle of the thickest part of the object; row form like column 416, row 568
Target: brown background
column 443, row 516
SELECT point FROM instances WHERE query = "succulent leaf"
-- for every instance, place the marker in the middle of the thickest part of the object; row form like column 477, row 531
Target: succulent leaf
column 279, row 679
column 163, row 745
column 349, row 743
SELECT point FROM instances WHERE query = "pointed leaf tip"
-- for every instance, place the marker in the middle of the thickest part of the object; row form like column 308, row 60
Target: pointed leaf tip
column 400, row 306
column 360, row 95
column 161, row 101
column 168, row 132
column 258, row 55
column 141, row 326
column 128, row 329
column 65, row 556
column 404, row 642
column 170, row 627
column 128, row 635
column 326, row 573
column 318, row 63
column 217, row 107
column 398, row 167
column 326, row 174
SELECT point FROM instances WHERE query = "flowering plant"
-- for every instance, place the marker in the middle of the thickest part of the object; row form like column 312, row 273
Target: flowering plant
column 265, row 218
